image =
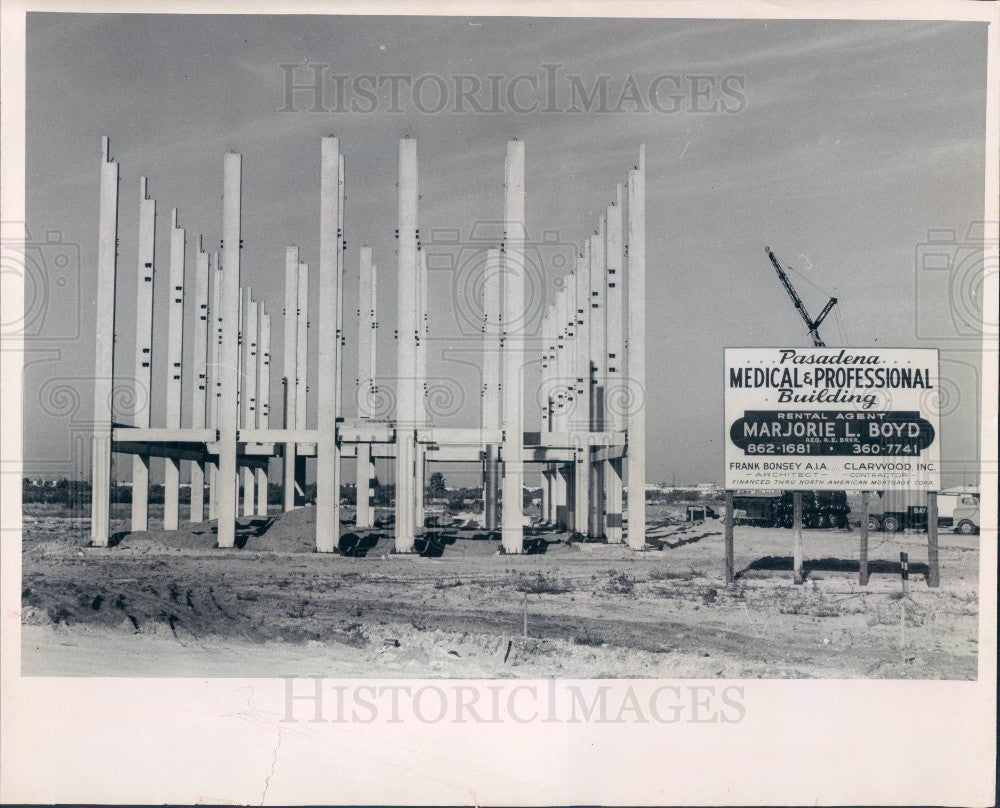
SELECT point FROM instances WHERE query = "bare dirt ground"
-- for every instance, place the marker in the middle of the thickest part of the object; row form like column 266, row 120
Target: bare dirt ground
column 171, row 604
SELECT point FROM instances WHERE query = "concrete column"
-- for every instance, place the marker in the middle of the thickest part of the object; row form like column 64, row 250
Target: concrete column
column 614, row 394
column 581, row 486
column 563, row 474
column 199, row 377
column 546, row 405
column 549, row 402
column 248, row 387
column 301, row 374
column 419, row 488
column 289, row 367
column 636, row 354
column 491, row 384
column 512, row 527
column 420, row 389
column 215, row 384
column 175, row 358
column 571, row 348
column 229, row 301
column 546, row 495
column 364, row 467
column 341, row 280
column 364, row 485
column 143, row 353
column 579, row 496
column 584, row 366
column 329, row 350
column 565, row 374
column 104, row 353
column 406, row 346
column 263, row 401
column 366, row 334
column 599, row 354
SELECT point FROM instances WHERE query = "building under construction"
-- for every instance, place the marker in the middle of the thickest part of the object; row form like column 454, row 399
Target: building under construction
column 589, row 439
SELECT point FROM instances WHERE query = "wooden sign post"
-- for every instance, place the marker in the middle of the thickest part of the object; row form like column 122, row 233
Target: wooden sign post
column 730, row 517
column 797, row 527
column 863, row 556
column 933, row 566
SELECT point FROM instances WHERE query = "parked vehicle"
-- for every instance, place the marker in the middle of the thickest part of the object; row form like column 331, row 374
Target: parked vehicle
column 966, row 515
column 759, row 509
column 907, row 510
column 820, row 509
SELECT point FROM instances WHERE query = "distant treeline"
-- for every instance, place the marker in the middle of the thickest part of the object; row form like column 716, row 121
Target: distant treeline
column 76, row 493
column 678, row 495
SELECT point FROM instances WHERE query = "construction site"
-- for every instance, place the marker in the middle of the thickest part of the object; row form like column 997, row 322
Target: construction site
column 263, row 550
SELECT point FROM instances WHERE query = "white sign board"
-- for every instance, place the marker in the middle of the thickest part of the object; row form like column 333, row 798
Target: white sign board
column 832, row 418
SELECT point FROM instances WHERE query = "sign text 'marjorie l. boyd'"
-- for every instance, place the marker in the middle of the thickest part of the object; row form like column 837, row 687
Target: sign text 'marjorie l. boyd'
column 860, row 418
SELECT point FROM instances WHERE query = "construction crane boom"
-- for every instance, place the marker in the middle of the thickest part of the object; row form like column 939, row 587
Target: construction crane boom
column 812, row 325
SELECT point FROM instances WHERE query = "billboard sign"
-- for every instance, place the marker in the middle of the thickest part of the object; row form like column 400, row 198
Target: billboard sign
column 832, row 418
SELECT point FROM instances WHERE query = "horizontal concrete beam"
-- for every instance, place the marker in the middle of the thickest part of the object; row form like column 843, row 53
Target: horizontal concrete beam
column 608, row 453
column 146, row 435
column 573, row 439
column 548, row 454
column 276, row 436
column 366, row 433
column 459, row 436
column 175, row 451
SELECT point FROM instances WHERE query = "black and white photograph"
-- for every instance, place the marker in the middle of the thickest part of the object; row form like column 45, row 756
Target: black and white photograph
column 596, row 368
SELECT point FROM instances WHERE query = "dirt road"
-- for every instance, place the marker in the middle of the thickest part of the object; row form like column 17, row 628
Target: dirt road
column 172, row 604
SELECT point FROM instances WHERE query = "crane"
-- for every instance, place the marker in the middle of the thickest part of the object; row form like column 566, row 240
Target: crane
column 812, row 325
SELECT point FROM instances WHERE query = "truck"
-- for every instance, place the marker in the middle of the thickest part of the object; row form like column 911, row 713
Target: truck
column 907, row 509
column 965, row 517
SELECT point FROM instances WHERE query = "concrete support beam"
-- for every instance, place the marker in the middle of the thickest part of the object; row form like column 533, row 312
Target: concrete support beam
column 364, row 484
column 551, row 399
column 329, row 349
column 199, row 377
column 406, row 347
column 599, row 355
column 263, row 401
column 492, row 327
column 104, row 353
column 547, row 404
column 175, row 371
column 420, row 390
column 614, row 402
column 564, row 377
column 568, row 361
column 580, row 420
column 581, row 486
column 158, row 435
column 636, row 354
column 229, row 299
column 301, row 371
column 289, row 367
column 143, row 352
column 248, row 392
column 341, row 280
column 562, row 479
column 514, row 316
column 367, row 330
column 215, row 381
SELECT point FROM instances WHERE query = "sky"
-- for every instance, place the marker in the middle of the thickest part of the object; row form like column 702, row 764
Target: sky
column 839, row 144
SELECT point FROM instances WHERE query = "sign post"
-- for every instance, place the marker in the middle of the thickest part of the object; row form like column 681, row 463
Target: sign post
column 834, row 419
column 797, row 527
column 933, row 566
column 863, row 554
column 730, row 518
